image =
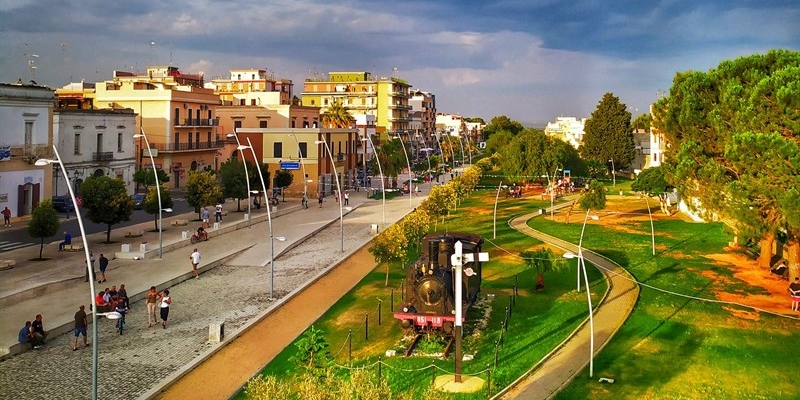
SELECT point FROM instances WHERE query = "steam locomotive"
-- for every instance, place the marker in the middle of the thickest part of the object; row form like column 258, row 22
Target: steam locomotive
column 429, row 295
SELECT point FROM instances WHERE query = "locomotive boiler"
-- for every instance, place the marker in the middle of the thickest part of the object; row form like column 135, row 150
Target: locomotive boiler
column 429, row 293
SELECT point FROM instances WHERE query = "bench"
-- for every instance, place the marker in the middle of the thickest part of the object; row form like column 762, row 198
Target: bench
column 73, row 247
column 134, row 234
column 180, row 222
column 6, row 264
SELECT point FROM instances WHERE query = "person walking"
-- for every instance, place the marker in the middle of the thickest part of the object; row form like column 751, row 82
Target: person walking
column 86, row 276
column 794, row 293
column 304, row 202
column 165, row 301
column 195, row 257
column 346, row 198
column 320, row 199
column 205, row 215
column 152, row 300
column 7, row 216
column 103, row 267
column 81, row 322
column 218, row 212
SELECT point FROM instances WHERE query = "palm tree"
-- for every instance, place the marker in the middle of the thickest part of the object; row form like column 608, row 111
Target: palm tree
column 543, row 261
column 337, row 116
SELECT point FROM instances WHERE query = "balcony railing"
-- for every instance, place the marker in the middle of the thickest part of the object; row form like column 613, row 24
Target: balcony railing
column 200, row 122
column 103, row 156
column 173, row 147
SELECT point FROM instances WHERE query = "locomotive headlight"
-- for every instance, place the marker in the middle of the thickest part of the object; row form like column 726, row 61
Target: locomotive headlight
column 469, row 272
column 453, row 311
column 405, row 309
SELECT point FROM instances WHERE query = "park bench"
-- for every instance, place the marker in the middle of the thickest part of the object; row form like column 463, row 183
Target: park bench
column 73, row 247
column 134, row 234
column 6, row 264
column 180, row 222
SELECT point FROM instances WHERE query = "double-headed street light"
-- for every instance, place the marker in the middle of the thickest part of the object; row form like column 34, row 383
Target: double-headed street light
column 380, row 170
column 241, row 148
column 42, row 162
column 158, row 192
column 272, row 238
column 338, row 188
column 408, row 163
column 582, row 267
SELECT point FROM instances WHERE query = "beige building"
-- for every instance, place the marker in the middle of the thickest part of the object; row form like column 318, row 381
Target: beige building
column 177, row 114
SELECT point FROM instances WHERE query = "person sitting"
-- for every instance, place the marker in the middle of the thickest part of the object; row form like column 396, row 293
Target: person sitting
column 202, row 234
column 779, row 268
column 67, row 241
column 122, row 294
column 100, row 302
column 25, row 334
column 37, row 328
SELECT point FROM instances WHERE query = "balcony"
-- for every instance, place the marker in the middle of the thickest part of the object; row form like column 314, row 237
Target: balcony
column 103, row 156
column 200, row 122
column 186, row 147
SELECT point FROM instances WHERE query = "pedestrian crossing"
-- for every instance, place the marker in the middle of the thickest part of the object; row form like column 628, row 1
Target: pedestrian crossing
column 7, row 245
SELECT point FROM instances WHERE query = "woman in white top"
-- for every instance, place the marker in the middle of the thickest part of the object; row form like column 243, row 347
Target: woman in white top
column 165, row 301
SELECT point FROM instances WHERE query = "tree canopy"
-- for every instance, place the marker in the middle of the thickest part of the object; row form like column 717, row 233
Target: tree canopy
column 733, row 134
column 607, row 134
column 151, row 205
column 44, row 222
column 501, row 123
column 107, row 201
column 202, row 190
column 652, row 181
column 337, row 116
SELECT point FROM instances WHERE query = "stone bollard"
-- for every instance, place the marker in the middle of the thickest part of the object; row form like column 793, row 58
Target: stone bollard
column 216, row 332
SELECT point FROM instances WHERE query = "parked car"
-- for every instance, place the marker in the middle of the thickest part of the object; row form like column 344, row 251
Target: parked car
column 62, row 203
column 138, row 201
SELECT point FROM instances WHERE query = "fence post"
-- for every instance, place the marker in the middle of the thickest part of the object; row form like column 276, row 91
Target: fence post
column 350, row 346
column 505, row 321
column 510, row 302
column 392, row 301
column 366, row 327
column 489, row 382
column 379, row 311
column 402, row 291
column 496, row 343
column 433, row 372
column 379, row 370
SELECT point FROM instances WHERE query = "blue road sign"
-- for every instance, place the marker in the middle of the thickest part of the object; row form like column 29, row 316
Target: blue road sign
column 290, row 165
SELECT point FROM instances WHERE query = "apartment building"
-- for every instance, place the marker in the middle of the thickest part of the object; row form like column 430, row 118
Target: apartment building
column 568, row 129
column 387, row 98
column 26, row 134
column 423, row 120
column 176, row 113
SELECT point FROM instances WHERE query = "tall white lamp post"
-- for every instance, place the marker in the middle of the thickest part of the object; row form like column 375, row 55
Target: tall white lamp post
column 241, row 148
column 582, row 267
column 408, row 163
column 42, row 162
column 338, row 188
column 272, row 238
column 494, row 221
column 380, row 170
column 158, row 193
column 652, row 229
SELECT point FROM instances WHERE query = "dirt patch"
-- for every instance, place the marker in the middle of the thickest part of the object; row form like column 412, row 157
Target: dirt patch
column 743, row 268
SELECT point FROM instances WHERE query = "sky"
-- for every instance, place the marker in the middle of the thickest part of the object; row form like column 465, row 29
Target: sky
column 531, row 60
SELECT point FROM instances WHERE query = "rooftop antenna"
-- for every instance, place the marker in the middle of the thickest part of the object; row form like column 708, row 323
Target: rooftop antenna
column 32, row 66
column 150, row 61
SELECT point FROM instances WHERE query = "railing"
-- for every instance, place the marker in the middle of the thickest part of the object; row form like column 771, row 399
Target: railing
column 103, row 156
column 200, row 122
column 170, row 147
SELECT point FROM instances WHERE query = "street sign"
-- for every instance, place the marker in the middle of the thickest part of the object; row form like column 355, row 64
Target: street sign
column 290, row 165
column 150, row 152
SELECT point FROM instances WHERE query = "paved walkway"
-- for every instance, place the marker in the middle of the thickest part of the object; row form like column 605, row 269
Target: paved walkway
column 545, row 379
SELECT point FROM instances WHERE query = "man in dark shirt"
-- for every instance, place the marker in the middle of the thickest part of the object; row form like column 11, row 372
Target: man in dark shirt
column 25, row 333
column 81, row 322
column 39, row 334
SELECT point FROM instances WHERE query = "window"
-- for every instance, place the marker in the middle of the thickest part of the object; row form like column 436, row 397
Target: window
column 77, row 149
column 237, row 124
column 29, row 136
column 190, row 140
column 303, row 149
column 277, row 149
column 177, row 116
column 208, row 139
column 293, row 124
column 197, row 139
column 119, row 142
column 189, row 117
column 262, row 123
column 305, row 124
column 177, row 140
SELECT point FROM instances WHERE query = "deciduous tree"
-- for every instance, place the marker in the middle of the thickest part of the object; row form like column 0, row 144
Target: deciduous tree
column 151, row 205
column 107, row 201
column 607, row 134
column 202, row 189
column 44, row 223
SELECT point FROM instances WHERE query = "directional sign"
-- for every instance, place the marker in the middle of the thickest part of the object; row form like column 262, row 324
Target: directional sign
column 290, row 165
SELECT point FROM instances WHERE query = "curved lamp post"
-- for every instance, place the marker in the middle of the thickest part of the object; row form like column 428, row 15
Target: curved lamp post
column 158, row 192
column 380, row 170
column 241, row 148
column 613, row 172
column 338, row 188
column 494, row 221
column 42, row 162
column 303, row 164
column 272, row 238
column 441, row 151
column 408, row 163
column 582, row 266
column 652, row 230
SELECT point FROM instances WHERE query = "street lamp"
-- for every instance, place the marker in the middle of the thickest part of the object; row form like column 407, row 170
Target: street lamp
column 338, row 188
column 410, row 189
column 42, row 162
column 613, row 172
column 241, row 148
column 582, row 266
column 269, row 220
column 494, row 222
column 303, row 164
column 158, row 193
column 380, row 170
column 652, row 230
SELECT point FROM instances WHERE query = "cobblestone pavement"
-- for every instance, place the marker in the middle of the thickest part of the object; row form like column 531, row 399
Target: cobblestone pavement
column 139, row 359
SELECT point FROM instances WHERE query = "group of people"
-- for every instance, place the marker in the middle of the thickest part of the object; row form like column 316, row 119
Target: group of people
column 112, row 299
column 33, row 333
column 161, row 301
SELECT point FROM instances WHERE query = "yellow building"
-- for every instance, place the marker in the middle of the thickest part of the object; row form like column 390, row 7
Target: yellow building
column 387, row 98
column 177, row 114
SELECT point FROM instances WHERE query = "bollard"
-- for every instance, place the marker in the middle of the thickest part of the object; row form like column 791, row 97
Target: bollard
column 510, row 303
column 505, row 321
column 433, row 372
column 496, row 344
column 366, row 327
column 391, row 296
column 350, row 346
column 379, row 311
column 379, row 370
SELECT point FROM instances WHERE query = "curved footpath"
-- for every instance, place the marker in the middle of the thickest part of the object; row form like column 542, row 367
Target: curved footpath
column 557, row 370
